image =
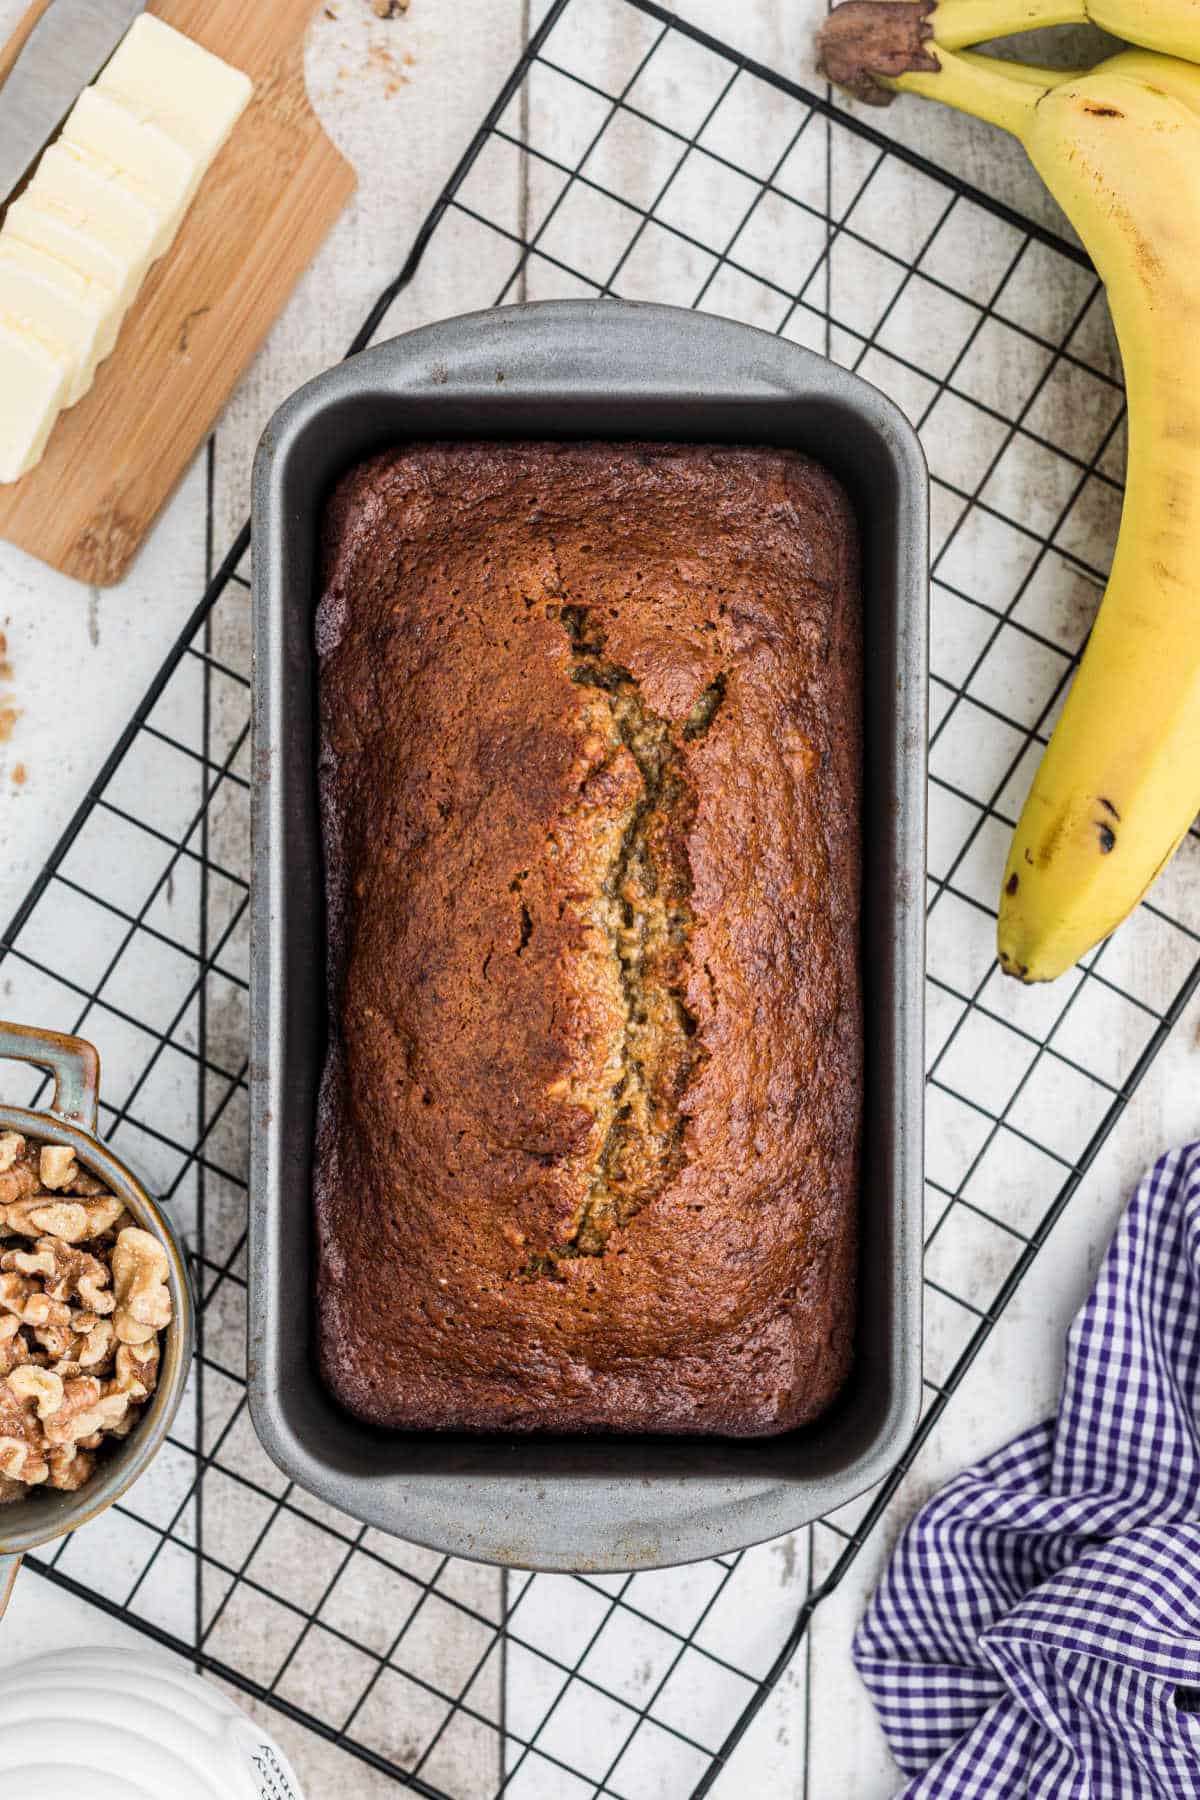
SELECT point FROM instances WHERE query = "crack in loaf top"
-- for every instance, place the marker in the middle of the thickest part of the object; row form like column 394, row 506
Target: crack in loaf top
column 589, row 782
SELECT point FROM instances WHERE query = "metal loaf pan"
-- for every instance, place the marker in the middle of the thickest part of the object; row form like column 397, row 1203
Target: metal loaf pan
column 603, row 369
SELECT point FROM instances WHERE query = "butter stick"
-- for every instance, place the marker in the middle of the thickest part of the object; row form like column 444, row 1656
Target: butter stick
column 105, row 200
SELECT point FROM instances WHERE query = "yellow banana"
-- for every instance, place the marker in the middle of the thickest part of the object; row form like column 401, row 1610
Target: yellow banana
column 1119, row 148
column 1170, row 26
column 1119, row 783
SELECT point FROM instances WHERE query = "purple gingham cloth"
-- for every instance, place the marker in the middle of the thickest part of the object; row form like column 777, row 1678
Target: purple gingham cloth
column 1037, row 1632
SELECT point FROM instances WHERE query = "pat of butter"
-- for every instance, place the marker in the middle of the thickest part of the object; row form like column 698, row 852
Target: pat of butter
column 95, row 196
column 33, row 380
column 184, row 89
column 75, row 314
column 58, row 235
column 135, row 144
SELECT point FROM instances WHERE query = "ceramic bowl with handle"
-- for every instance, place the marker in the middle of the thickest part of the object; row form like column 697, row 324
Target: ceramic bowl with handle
column 71, row 1119
column 117, row 1724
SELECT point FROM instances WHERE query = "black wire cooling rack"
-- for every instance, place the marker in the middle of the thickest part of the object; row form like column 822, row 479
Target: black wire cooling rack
column 654, row 162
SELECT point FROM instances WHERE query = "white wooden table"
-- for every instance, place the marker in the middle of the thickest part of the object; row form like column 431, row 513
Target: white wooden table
column 401, row 98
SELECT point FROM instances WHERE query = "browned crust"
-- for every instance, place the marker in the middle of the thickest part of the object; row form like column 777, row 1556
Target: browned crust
column 461, row 1110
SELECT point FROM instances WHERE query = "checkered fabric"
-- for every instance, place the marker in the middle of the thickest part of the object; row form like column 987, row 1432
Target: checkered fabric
column 1037, row 1632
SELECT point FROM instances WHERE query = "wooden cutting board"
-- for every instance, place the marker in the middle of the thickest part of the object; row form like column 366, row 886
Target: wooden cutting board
column 256, row 222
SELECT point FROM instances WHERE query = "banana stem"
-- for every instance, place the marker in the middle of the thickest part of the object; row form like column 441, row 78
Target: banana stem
column 980, row 85
column 871, row 48
column 957, row 23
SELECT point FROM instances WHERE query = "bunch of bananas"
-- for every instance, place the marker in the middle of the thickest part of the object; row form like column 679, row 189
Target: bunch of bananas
column 1119, row 148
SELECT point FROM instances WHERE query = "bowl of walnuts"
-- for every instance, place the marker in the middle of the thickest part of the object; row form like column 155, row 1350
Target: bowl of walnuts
column 96, row 1314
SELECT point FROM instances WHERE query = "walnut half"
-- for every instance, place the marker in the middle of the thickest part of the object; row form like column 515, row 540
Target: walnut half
column 140, row 1268
column 81, row 1310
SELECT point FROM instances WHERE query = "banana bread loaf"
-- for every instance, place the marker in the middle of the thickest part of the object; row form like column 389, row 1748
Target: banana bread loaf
column 587, row 1136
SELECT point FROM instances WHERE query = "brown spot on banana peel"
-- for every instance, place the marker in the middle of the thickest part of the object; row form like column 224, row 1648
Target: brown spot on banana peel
column 1106, row 837
column 1146, row 259
column 1048, row 847
column 1012, row 884
column 863, row 41
column 1019, row 971
column 1175, row 496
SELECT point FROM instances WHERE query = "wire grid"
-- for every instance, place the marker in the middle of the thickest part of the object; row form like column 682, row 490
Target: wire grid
column 654, row 163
